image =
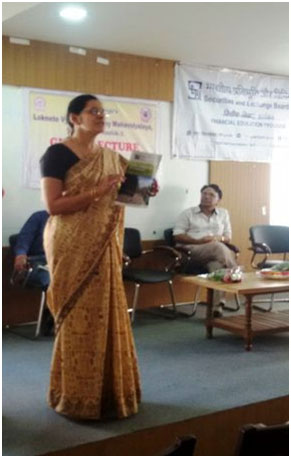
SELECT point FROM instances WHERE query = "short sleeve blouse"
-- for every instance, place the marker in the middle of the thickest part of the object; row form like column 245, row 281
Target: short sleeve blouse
column 56, row 161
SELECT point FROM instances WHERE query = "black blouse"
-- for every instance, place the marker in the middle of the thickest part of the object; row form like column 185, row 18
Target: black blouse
column 57, row 160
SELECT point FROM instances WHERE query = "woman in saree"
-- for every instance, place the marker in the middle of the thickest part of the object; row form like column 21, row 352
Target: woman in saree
column 94, row 370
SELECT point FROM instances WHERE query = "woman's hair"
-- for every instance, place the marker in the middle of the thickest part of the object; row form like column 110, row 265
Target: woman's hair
column 215, row 187
column 77, row 105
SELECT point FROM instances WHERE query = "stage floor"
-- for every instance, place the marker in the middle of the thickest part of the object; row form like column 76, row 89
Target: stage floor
column 184, row 376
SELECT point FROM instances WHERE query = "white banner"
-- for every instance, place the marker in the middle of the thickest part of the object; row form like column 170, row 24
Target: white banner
column 221, row 114
column 130, row 125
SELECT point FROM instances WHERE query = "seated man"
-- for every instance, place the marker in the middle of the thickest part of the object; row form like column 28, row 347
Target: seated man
column 29, row 240
column 30, row 243
column 202, row 230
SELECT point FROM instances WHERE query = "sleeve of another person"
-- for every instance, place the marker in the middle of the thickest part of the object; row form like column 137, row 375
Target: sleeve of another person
column 26, row 235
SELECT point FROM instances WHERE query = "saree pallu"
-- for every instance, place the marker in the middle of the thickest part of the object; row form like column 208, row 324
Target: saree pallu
column 94, row 370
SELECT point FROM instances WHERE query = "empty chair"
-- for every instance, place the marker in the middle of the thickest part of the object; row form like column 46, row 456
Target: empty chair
column 184, row 446
column 35, row 275
column 267, row 240
column 262, row 440
column 133, row 250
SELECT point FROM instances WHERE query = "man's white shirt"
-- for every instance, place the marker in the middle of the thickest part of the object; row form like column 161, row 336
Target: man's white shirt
column 197, row 225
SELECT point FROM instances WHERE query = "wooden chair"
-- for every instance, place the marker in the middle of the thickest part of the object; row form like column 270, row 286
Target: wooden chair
column 262, row 440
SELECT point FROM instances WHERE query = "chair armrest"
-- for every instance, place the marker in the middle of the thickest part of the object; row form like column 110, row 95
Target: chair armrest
column 169, row 249
column 176, row 256
column 147, row 251
column 183, row 249
column 232, row 247
column 185, row 258
column 125, row 260
column 262, row 248
column 20, row 277
column 45, row 267
column 38, row 259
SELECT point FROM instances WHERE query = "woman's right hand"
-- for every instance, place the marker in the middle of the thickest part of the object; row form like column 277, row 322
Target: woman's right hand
column 107, row 183
column 58, row 202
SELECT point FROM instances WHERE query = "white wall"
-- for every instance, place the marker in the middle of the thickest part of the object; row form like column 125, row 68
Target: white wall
column 279, row 205
column 179, row 180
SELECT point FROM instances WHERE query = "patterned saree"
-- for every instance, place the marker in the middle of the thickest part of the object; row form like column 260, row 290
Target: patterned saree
column 94, row 371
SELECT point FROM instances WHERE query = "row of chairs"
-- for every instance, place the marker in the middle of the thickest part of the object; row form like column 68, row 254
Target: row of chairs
column 265, row 241
column 253, row 440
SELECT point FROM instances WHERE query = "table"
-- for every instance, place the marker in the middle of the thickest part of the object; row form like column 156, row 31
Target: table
column 249, row 324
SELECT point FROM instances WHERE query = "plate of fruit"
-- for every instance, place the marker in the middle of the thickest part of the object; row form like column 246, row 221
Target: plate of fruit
column 278, row 272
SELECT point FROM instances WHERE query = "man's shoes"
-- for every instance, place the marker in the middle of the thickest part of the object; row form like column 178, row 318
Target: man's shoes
column 222, row 304
column 218, row 313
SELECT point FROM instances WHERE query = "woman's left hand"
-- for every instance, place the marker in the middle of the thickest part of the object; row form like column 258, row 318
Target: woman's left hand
column 154, row 189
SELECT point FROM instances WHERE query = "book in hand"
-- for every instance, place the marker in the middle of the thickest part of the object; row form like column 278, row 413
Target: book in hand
column 139, row 177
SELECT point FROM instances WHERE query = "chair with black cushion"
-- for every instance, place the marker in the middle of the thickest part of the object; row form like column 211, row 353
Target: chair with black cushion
column 186, row 266
column 132, row 249
column 267, row 240
column 189, row 267
column 36, row 275
column 262, row 440
column 184, row 446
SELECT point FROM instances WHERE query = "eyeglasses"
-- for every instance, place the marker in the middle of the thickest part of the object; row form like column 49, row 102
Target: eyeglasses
column 209, row 194
column 95, row 111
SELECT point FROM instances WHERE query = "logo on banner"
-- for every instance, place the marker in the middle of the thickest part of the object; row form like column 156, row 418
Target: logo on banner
column 39, row 103
column 145, row 114
column 194, row 89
